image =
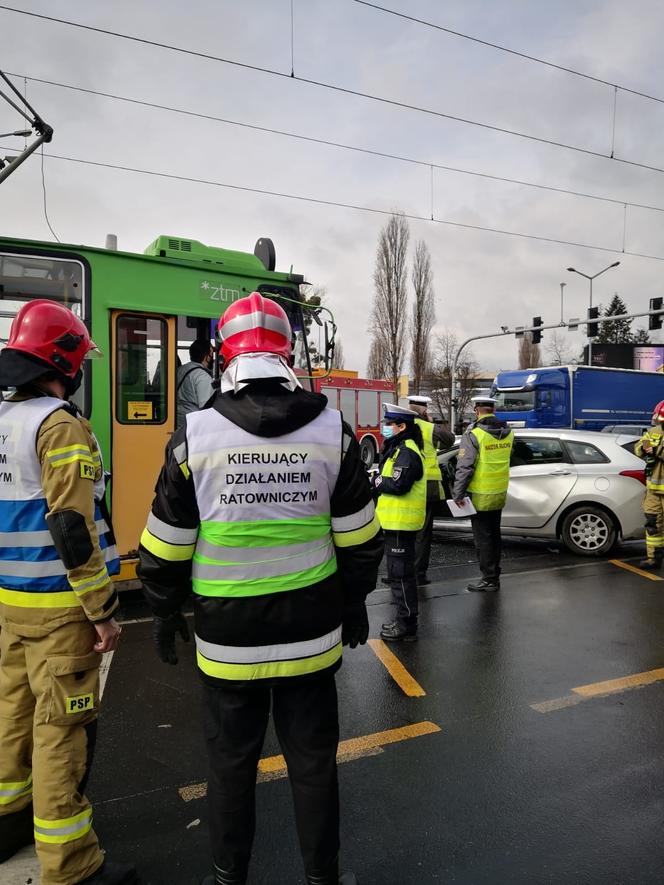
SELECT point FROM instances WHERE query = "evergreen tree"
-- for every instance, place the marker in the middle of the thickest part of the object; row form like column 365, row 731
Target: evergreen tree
column 617, row 331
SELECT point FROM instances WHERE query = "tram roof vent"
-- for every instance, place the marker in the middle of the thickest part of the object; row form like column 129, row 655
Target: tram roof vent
column 195, row 252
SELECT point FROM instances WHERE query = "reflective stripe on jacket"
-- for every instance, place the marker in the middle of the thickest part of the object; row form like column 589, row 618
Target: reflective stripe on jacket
column 654, row 469
column 32, row 574
column 265, row 529
column 491, row 477
column 403, row 512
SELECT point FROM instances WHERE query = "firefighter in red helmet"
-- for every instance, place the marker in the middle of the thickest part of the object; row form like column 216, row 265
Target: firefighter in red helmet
column 263, row 512
column 56, row 600
column 651, row 447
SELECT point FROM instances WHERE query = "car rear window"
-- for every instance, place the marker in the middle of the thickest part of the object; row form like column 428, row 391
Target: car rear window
column 585, row 453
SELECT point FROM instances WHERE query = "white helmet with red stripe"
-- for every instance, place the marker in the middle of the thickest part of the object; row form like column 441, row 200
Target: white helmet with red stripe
column 255, row 324
column 658, row 412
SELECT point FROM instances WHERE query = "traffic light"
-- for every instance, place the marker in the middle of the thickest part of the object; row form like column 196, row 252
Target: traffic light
column 592, row 329
column 536, row 334
column 655, row 322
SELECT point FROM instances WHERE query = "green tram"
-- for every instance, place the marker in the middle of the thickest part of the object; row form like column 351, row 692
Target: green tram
column 143, row 311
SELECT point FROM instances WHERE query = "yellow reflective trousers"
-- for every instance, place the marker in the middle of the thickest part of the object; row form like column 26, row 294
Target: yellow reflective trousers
column 49, row 697
column 653, row 507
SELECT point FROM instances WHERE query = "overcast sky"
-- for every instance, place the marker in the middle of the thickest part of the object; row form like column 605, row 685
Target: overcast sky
column 482, row 280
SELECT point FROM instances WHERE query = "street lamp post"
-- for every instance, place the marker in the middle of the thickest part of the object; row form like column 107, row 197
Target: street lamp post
column 591, row 278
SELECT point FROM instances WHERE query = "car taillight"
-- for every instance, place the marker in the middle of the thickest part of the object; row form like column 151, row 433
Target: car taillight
column 635, row 474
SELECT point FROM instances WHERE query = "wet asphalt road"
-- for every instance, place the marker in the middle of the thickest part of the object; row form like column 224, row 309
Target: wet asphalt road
column 482, row 789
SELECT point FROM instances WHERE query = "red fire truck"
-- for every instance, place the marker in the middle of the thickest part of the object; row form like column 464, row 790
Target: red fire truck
column 360, row 400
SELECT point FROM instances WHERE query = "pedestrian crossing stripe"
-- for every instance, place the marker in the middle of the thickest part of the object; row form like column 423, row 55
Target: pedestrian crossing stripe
column 80, row 703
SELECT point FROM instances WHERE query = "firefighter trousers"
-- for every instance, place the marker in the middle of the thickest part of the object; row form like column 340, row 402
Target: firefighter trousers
column 306, row 720
column 653, row 508
column 49, row 696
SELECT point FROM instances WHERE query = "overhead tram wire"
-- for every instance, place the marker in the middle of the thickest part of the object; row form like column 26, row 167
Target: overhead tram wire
column 343, row 90
column 339, row 205
column 342, row 146
column 524, row 55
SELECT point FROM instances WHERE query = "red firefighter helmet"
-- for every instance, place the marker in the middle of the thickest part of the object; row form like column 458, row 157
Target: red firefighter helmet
column 658, row 411
column 255, row 324
column 51, row 334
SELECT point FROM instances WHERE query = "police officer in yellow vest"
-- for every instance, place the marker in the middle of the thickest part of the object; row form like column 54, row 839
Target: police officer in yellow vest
column 483, row 470
column 651, row 447
column 56, row 600
column 401, row 490
column 435, row 438
column 264, row 510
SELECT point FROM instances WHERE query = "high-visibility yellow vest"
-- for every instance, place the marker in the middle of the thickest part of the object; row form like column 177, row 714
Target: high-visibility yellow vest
column 405, row 513
column 488, row 486
column 431, row 468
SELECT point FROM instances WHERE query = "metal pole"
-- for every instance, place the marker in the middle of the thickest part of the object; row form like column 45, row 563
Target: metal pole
column 590, row 340
column 562, row 286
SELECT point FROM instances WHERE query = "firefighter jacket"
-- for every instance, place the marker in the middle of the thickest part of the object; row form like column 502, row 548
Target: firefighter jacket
column 654, row 459
column 401, row 485
column 264, row 511
column 483, row 465
column 56, row 548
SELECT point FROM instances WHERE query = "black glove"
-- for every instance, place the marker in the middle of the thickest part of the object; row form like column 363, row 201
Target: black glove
column 355, row 625
column 163, row 633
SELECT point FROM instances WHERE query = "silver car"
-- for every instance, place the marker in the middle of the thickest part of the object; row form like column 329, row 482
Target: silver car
column 583, row 488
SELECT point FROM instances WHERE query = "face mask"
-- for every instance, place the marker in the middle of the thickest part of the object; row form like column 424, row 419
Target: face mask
column 388, row 431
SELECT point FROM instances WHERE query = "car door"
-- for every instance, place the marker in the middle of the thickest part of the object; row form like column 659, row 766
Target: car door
column 541, row 477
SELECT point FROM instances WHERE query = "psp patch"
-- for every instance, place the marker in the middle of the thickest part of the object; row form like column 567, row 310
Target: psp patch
column 87, row 471
column 80, row 703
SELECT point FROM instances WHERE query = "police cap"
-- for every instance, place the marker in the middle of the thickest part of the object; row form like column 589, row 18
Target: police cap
column 419, row 400
column 487, row 401
column 392, row 412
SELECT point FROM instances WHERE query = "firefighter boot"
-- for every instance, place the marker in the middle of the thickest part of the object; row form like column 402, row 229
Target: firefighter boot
column 112, row 874
column 16, row 831
column 224, row 879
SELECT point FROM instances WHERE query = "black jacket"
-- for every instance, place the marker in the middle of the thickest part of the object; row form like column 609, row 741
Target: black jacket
column 267, row 410
column 408, row 466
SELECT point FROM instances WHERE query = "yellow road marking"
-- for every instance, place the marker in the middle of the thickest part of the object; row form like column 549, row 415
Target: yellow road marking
column 274, row 767
column 637, row 571
column 611, row 686
column 601, row 689
column 396, row 669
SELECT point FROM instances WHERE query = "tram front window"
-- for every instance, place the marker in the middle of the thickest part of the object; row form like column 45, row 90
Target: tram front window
column 26, row 277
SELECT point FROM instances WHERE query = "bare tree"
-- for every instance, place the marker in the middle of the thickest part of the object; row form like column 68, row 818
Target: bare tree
column 338, row 357
column 388, row 314
column 439, row 380
column 424, row 315
column 529, row 353
column 377, row 362
column 559, row 351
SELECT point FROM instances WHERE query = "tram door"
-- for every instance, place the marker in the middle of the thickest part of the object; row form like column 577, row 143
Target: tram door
column 143, row 398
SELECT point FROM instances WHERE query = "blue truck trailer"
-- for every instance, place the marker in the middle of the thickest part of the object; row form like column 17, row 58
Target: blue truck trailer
column 579, row 397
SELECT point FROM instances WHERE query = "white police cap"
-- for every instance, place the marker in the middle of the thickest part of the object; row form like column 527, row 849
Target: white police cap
column 483, row 401
column 419, row 400
column 392, row 412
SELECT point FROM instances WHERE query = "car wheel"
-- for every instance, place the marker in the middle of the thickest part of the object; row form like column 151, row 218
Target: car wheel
column 588, row 531
column 368, row 451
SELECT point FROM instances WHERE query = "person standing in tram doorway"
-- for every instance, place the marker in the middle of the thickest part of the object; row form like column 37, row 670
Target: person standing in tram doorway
column 483, row 470
column 194, row 380
column 56, row 600
column 434, row 438
column 263, row 509
column 401, row 490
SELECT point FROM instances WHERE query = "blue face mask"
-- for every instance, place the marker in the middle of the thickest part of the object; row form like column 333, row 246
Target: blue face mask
column 388, row 431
